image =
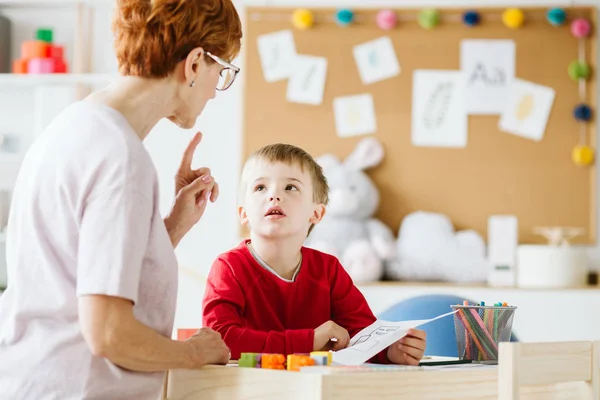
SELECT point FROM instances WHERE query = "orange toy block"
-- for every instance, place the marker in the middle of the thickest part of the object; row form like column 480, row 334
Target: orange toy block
column 20, row 66
column 294, row 362
column 272, row 361
column 34, row 49
column 183, row 334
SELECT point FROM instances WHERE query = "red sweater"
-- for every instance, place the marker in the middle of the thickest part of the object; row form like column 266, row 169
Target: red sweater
column 255, row 311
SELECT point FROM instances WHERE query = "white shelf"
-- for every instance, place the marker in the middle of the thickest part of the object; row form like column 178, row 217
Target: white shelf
column 55, row 79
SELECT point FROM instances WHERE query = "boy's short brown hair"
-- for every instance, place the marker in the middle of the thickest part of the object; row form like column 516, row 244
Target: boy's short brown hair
column 290, row 155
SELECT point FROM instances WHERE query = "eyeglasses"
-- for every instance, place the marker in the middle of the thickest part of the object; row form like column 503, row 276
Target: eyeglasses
column 228, row 73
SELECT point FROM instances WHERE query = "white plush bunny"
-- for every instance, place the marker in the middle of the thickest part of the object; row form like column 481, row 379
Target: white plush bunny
column 363, row 244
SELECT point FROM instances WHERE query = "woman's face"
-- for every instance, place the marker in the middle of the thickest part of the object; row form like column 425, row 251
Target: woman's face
column 198, row 87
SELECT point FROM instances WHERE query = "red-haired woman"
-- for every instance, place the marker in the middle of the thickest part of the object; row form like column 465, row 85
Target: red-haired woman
column 90, row 304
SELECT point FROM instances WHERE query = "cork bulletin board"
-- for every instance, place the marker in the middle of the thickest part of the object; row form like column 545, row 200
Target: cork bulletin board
column 496, row 173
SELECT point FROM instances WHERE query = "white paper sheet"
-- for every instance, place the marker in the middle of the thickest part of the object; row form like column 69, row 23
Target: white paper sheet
column 376, row 60
column 277, row 53
column 488, row 68
column 527, row 109
column 354, row 115
column 307, row 83
column 376, row 337
column 439, row 118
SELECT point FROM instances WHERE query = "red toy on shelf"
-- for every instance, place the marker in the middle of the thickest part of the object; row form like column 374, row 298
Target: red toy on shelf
column 41, row 56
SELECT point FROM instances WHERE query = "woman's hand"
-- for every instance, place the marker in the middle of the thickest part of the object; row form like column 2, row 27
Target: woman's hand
column 193, row 190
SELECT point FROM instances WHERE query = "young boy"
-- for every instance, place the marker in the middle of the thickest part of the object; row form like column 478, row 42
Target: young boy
column 272, row 295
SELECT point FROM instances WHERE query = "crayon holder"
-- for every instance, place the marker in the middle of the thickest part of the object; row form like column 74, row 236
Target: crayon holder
column 479, row 329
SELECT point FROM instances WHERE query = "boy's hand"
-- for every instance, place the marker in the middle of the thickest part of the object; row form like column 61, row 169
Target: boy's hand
column 409, row 350
column 327, row 331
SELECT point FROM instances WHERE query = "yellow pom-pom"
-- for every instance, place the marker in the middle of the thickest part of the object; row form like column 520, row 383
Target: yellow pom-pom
column 303, row 19
column 513, row 18
column 583, row 155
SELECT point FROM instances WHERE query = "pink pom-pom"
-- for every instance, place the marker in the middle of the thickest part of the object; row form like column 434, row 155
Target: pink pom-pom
column 386, row 19
column 580, row 27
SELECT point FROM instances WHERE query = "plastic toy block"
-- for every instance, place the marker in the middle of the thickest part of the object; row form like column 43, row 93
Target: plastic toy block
column 20, row 66
column 34, row 49
column 249, row 360
column 44, row 34
column 40, row 66
column 56, row 52
column 318, row 357
column 294, row 362
column 183, row 334
column 60, row 67
column 272, row 361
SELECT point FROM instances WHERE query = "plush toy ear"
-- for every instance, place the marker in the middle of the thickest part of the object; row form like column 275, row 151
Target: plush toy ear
column 367, row 153
column 327, row 161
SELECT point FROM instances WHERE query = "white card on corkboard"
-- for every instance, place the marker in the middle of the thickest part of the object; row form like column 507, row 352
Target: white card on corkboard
column 527, row 110
column 354, row 115
column 277, row 53
column 488, row 68
column 376, row 60
column 439, row 118
column 307, row 82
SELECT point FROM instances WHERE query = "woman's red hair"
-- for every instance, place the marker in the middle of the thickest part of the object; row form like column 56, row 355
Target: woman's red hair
column 153, row 36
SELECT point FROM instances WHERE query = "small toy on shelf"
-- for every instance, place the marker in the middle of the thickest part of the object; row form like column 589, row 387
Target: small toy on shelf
column 41, row 55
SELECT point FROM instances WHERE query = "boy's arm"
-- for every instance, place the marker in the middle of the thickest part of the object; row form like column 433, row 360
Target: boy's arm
column 223, row 307
column 350, row 309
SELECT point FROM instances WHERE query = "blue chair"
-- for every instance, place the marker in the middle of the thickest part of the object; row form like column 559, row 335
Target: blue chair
column 441, row 336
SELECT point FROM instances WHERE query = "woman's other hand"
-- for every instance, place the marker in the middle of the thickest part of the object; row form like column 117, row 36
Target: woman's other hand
column 193, row 190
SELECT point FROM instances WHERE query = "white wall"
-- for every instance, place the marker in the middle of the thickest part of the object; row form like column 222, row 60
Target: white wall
column 221, row 124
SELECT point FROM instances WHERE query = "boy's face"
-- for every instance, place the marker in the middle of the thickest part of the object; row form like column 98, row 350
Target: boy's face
column 279, row 200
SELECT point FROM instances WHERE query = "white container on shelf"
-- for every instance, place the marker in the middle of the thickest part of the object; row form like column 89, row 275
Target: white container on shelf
column 553, row 265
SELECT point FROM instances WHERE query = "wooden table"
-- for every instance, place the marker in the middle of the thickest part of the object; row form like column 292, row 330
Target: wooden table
column 231, row 382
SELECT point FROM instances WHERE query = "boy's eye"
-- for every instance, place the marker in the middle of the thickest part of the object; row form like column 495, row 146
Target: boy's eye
column 291, row 187
column 259, row 188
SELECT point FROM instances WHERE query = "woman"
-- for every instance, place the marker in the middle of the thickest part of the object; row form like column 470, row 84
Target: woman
column 90, row 305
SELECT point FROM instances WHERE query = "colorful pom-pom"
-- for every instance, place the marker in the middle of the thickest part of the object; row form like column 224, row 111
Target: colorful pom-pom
column 386, row 19
column 471, row 18
column 344, row 17
column 582, row 112
column 579, row 70
column 513, row 18
column 303, row 18
column 556, row 16
column 581, row 28
column 429, row 18
column 583, row 155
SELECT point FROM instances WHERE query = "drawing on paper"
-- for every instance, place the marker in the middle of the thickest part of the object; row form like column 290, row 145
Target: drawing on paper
column 366, row 341
column 354, row 115
column 376, row 60
column 307, row 81
column 495, row 77
column 488, row 68
column 527, row 110
column 439, row 118
column 437, row 105
column 525, row 107
column 277, row 52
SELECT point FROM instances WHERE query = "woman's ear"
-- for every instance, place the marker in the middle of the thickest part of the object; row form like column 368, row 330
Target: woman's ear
column 193, row 64
column 242, row 215
column 318, row 214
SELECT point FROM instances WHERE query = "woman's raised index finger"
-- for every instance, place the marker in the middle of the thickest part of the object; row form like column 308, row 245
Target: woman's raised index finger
column 188, row 154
